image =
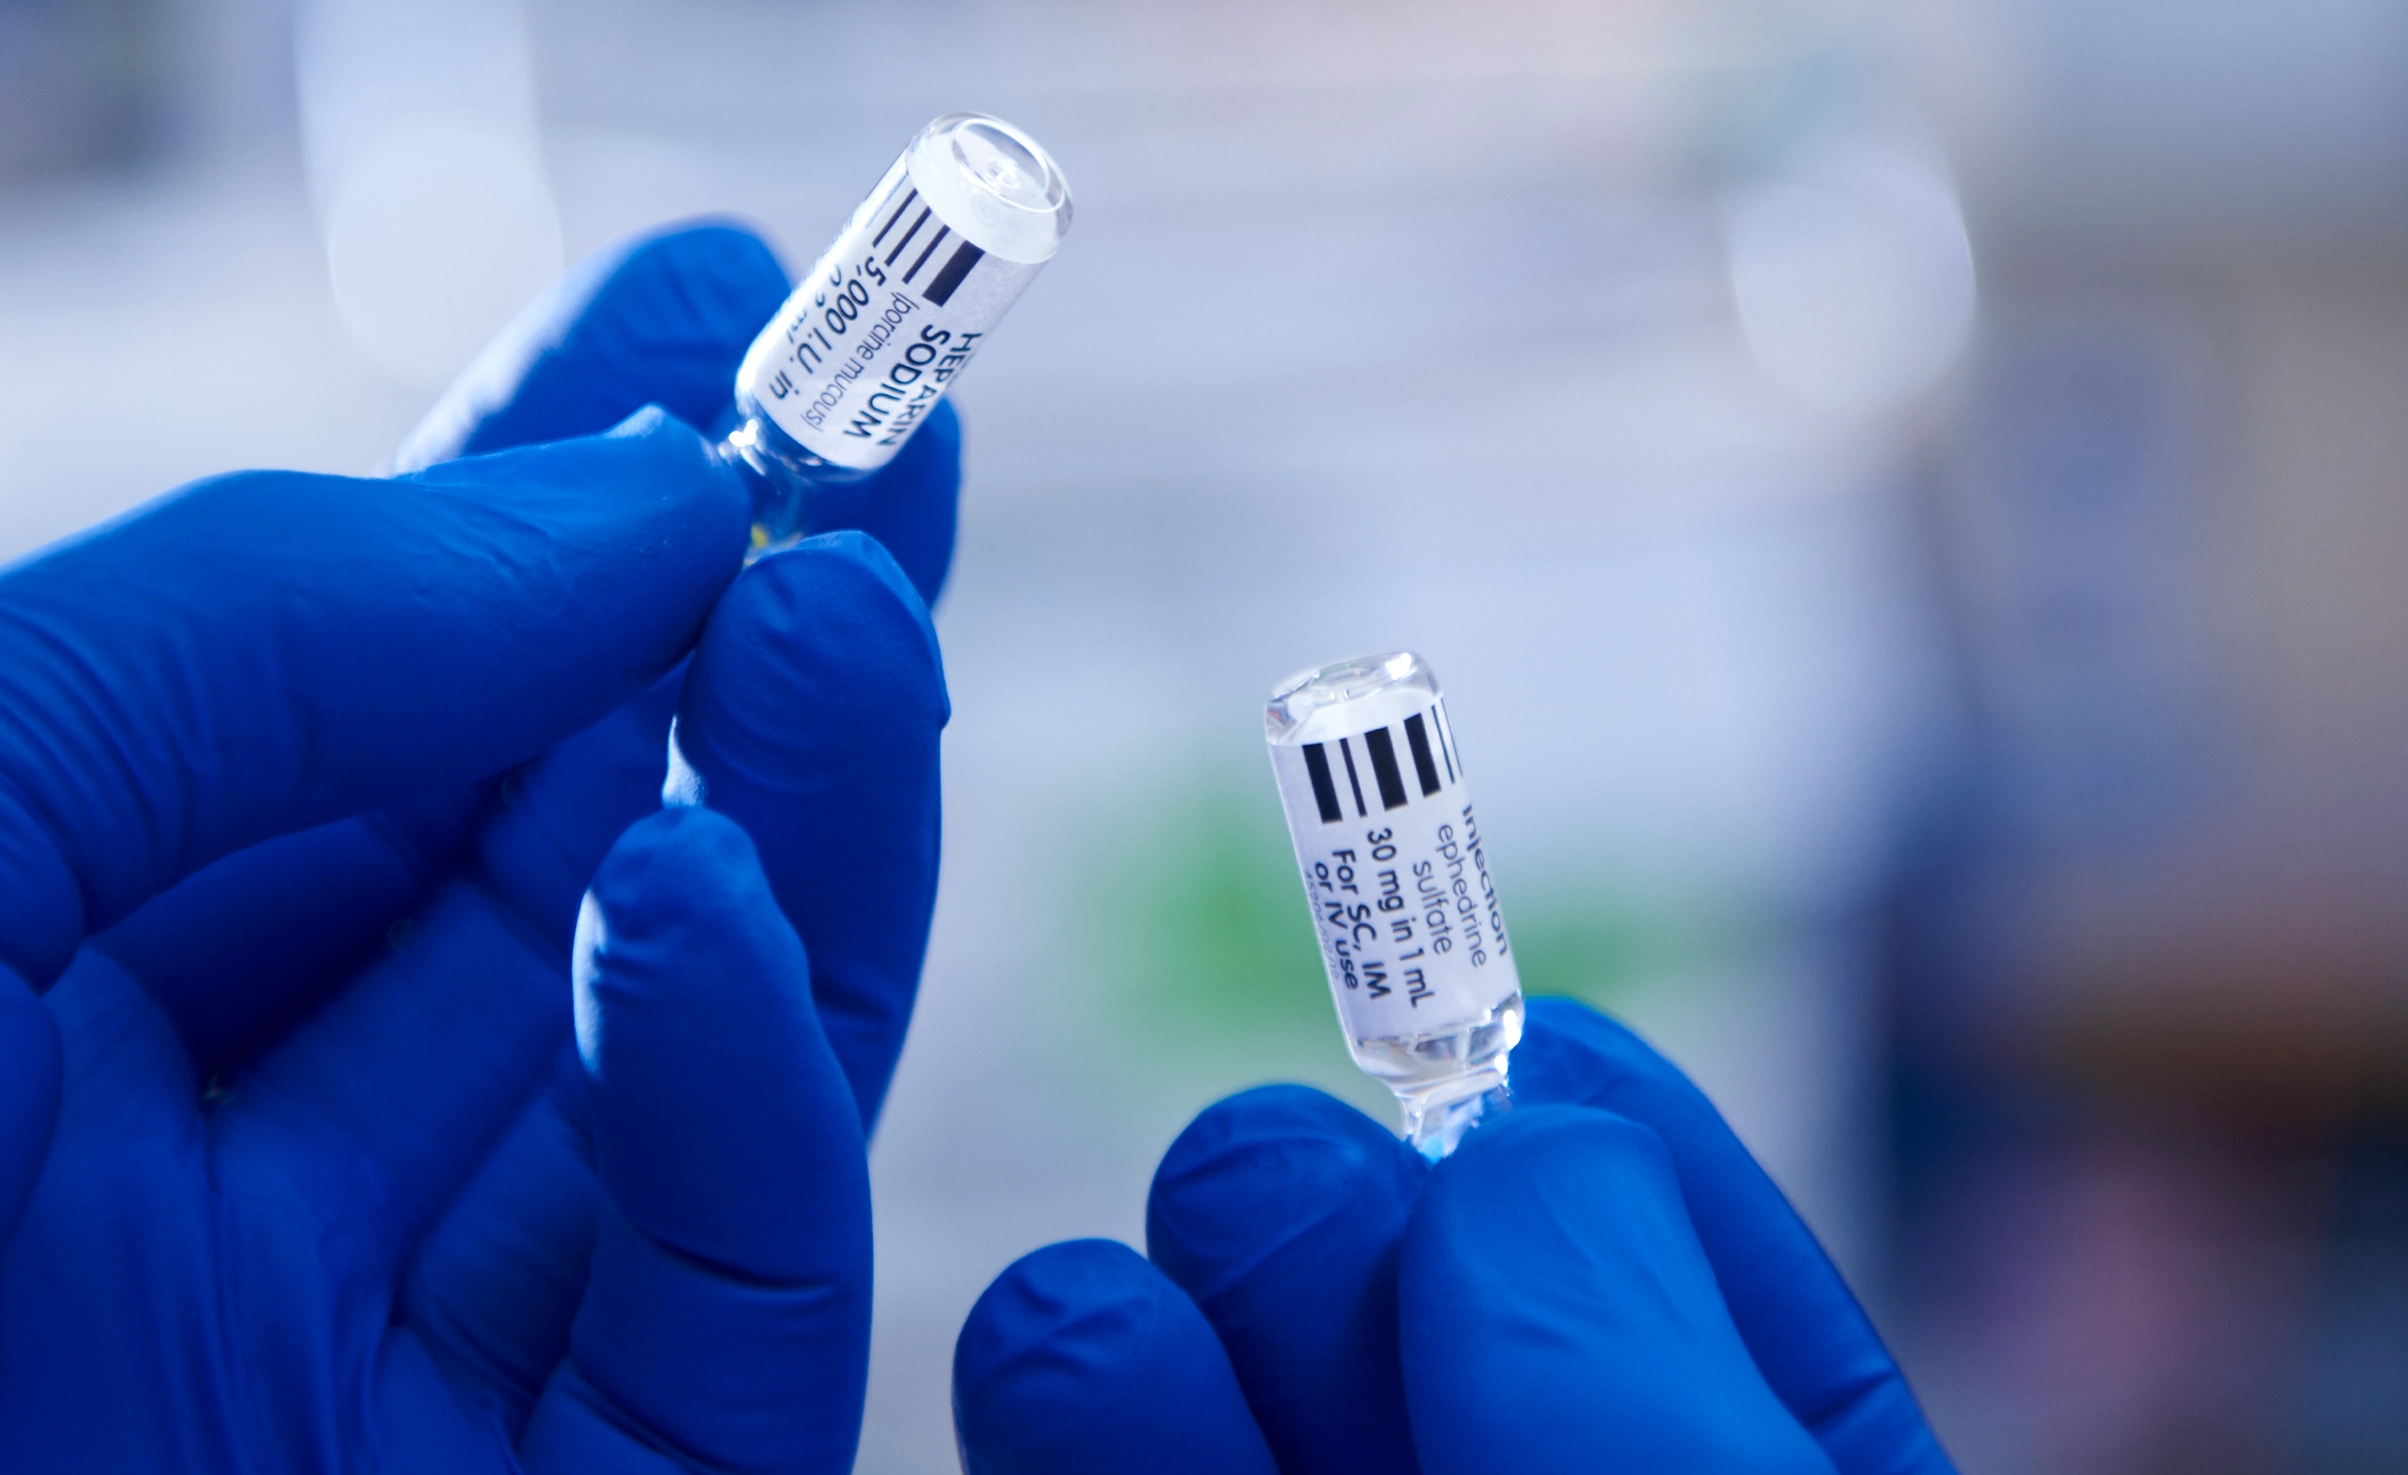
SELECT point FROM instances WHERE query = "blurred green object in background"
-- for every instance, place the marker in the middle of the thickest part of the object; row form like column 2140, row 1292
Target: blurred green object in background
column 1204, row 951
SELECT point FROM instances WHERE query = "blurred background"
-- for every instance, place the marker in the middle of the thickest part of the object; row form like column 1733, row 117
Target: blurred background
column 1907, row 501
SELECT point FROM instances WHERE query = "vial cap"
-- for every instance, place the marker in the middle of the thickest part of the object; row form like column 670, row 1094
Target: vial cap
column 1368, row 691
column 993, row 184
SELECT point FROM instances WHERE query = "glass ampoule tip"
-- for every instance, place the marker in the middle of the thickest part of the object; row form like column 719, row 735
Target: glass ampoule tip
column 1437, row 1128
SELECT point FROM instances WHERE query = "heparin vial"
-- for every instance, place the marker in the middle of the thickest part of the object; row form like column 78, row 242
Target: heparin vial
column 1410, row 928
column 896, row 307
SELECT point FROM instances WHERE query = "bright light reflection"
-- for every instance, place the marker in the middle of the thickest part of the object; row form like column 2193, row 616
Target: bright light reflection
column 436, row 234
column 1853, row 277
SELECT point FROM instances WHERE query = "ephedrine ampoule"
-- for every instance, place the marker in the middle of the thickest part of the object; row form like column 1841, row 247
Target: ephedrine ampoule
column 1393, row 865
column 896, row 307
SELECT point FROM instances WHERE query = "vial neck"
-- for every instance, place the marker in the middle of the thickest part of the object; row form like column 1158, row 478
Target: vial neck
column 786, row 480
column 1437, row 1120
column 778, row 494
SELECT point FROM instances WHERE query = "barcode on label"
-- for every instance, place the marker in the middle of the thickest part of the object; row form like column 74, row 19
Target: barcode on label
column 1339, row 787
column 947, row 278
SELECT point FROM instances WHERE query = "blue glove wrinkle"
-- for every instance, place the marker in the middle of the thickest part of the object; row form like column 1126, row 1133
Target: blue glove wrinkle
column 1081, row 1359
column 428, row 1054
column 560, row 815
column 265, row 652
column 1558, row 1314
column 494, row 1289
column 31, row 1070
column 45, row 920
column 235, row 949
column 661, row 318
column 111, row 1351
column 1280, row 1211
column 1805, row 1330
column 377, row 1106
column 729, row 1308
column 812, row 712
column 424, row 1427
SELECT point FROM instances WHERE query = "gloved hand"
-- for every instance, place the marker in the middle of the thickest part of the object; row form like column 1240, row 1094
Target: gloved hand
column 307, row 1167
column 1602, row 1279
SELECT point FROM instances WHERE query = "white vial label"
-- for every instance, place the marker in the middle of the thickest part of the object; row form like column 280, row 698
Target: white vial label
column 1390, row 849
column 869, row 342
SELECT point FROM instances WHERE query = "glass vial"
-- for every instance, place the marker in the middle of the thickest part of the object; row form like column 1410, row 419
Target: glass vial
column 1398, row 881
column 896, row 307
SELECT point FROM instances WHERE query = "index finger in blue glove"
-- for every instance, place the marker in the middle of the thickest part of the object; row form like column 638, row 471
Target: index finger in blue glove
column 268, row 651
column 1817, row 1349
column 1280, row 1210
column 1557, row 1314
column 727, row 1322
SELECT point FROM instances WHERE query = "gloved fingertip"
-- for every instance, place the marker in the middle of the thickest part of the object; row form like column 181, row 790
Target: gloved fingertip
column 1258, row 1168
column 693, row 293
column 1080, row 1359
column 717, row 489
column 647, row 478
column 1279, row 1210
column 827, row 639
column 31, row 1067
column 678, row 878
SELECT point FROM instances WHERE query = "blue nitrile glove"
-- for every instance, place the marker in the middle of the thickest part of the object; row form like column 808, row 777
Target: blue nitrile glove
column 302, row 1163
column 1602, row 1279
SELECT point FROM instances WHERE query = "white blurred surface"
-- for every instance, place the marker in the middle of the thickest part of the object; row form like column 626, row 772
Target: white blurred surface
column 418, row 126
